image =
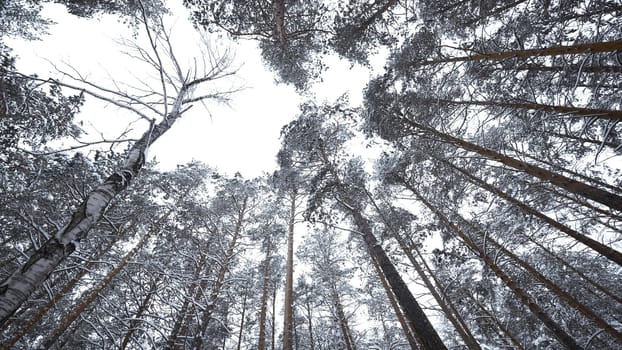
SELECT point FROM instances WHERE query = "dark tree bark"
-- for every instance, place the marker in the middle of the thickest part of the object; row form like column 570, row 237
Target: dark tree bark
column 289, row 277
column 396, row 308
column 139, row 313
column 220, row 279
column 560, row 334
column 171, row 342
column 425, row 333
column 591, row 48
column 607, row 114
column 261, row 345
column 600, row 248
column 346, row 333
column 608, row 199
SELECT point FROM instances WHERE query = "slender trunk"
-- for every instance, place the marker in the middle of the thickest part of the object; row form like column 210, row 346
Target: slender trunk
column 602, row 249
column 264, row 299
column 70, row 317
column 296, row 339
column 601, row 196
column 615, row 146
column 425, row 333
column 139, row 313
column 186, row 323
column 220, row 280
column 550, row 285
column 569, row 266
column 607, row 114
column 43, row 310
column 591, row 48
column 452, row 316
column 242, row 318
column 183, row 312
column 499, row 324
column 16, row 289
column 445, row 297
column 278, row 7
column 289, row 277
column 343, row 321
column 311, row 341
column 273, row 316
column 562, row 169
column 396, row 309
column 451, row 313
column 560, row 334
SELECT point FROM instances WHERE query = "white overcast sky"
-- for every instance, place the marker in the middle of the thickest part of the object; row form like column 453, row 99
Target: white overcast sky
column 243, row 136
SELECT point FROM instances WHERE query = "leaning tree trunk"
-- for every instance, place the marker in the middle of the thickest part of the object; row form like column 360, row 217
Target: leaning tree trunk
column 560, row 334
column 43, row 310
column 608, row 199
column 343, row 321
column 608, row 114
column 396, row 308
column 598, row 247
column 591, row 48
column 444, row 303
column 171, row 342
column 425, row 333
column 504, row 330
column 139, row 313
column 550, row 285
column 16, row 289
column 70, row 317
column 220, row 280
column 241, row 333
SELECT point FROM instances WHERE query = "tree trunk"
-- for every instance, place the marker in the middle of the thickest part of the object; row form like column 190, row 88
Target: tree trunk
column 602, row 249
column 278, row 7
column 445, row 303
column 562, row 170
column 289, row 277
column 606, row 114
column 425, row 333
column 499, row 324
column 591, row 48
column 43, row 310
column 264, row 300
column 601, row 196
column 70, row 317
column 452, row 314
column 343, row 321
column 273, row 316
column 16, row 289
column 550, row 285
column 560, row 334
column 220, row 280
column 171, row 342
column 139, row 313
column 396, row 309
column 240, row 334
column 311, row 341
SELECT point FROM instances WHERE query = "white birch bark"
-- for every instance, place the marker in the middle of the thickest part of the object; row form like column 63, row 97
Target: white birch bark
column 16, row 289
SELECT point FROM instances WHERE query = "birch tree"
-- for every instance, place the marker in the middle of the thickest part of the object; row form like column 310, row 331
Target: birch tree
column 180, row 87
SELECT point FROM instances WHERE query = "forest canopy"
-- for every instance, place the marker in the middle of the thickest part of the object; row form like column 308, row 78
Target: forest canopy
column 472, row 200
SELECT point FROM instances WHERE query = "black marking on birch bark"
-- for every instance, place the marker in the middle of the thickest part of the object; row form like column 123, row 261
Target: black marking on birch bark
column 47, row 251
